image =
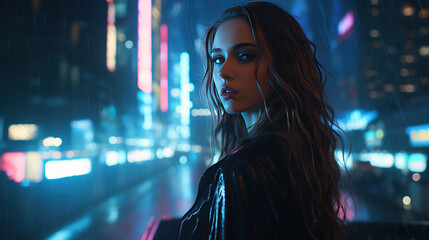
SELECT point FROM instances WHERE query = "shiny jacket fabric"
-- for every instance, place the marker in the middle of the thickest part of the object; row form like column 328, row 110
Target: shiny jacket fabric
column 246, row 195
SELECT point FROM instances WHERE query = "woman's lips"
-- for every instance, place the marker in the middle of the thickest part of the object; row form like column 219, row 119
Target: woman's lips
column 228, row 93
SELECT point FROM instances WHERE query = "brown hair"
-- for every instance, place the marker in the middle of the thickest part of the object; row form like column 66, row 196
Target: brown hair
column 296, row 105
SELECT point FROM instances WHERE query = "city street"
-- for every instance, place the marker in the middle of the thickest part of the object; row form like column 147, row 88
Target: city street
column 170, row 194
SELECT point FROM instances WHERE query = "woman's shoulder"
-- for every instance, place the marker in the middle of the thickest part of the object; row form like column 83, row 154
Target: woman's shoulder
column 257, row 158
column 266, row 146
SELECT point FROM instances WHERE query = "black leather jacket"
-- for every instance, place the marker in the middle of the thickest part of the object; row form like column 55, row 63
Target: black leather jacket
column 246, row 195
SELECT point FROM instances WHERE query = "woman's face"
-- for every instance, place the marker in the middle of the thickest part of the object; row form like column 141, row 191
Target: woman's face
column 234, row 55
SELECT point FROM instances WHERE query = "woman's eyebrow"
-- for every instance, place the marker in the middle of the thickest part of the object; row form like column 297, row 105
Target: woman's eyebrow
column 235, row 47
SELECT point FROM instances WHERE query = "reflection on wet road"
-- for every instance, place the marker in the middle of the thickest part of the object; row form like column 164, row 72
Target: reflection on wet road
column 126, row 215
column 171, row 193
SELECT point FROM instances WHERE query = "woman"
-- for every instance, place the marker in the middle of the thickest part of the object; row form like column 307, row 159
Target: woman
column 277, row 177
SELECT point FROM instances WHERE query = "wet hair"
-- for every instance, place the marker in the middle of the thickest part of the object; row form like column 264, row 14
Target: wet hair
column 296, row 105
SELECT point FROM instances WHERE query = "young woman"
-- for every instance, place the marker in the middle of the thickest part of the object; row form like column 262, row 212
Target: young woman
column 277, row 177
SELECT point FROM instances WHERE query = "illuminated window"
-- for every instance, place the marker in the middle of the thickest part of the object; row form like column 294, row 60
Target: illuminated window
column 408, row 10
column 374, row 33
column 22, row 132
column 404, row 72
column 407, row 58
column 424, row 13
column 374, row 2
column 408, row 88
column 375, row 94
column 424, row 51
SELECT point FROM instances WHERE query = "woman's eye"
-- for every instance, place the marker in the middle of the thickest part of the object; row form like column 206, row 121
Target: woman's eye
column 246, row 57
column 218, row 60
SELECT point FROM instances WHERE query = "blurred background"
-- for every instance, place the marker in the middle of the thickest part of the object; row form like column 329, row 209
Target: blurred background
column 102, row 126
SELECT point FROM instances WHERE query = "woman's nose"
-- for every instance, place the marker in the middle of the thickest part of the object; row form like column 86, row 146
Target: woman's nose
column 226, row 71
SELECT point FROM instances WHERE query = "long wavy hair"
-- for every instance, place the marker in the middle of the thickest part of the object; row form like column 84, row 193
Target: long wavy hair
column 297, row 105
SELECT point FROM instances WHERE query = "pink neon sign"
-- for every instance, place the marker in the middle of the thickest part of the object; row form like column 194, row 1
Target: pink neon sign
column 111, row 37
column 345, row 27
column 144, row 62
column 164, row 67
column 13, row 163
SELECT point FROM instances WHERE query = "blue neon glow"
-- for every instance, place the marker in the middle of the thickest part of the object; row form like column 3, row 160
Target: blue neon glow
column 401, row 160
column 356, row 119
column 417, row 162
column 111, row 158
column 344, row 158
column 185, row 88
column 56, row 169
column 381, row 160
column 160, row 153
column 418, row 135
column 369, row 135
column 183, row 160
column 168, row 152
column 145, row 109
column 140, row 155
column 72, row 230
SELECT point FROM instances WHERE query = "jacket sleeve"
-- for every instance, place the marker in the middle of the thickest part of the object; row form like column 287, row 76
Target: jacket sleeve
column 248, row 199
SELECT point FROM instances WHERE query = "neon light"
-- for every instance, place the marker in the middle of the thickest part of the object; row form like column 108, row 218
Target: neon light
column 346, row 23
column 185, row 89
column 344, row 158
column 357, row 120
column 13, row 163
column 140, row 155
column 145, row 108
column 34, row 169
column 52, row 142
column 168, row 152
column 419, row 135
column 144, row 62
column 381, row 160
column 56, row 169
column 22, row 132
column 401, row 160
column 164, row 68
column 111, row 158
column 111, row 37
column 183, row 160
column 417, row 162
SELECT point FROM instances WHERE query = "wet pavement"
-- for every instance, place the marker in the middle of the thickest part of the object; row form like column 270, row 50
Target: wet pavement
column 126, row 215
column 171, row 193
